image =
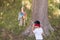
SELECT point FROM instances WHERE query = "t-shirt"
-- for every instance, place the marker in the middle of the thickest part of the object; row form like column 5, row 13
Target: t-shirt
column 20, row 15
column 38, row 33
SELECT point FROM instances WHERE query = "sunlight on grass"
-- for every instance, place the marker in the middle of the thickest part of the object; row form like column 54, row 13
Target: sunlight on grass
column 56, row 13
column 57, row 1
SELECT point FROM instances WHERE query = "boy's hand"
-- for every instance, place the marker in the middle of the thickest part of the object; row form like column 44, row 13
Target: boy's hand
column 43, row 34
column 33, row 27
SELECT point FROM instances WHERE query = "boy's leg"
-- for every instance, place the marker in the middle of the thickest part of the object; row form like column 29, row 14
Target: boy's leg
column 24, row 22
column 20, row 23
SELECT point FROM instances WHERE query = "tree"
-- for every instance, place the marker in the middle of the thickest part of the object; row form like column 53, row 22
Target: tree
column 40, row 12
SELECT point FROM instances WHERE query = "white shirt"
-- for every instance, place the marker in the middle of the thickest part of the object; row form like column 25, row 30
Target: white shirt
column 38, row 33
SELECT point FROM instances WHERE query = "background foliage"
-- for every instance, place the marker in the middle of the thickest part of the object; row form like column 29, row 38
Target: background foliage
column 9, row 10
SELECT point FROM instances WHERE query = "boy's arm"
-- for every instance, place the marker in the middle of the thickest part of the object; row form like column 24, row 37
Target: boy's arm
column 32, row 28
column 43, row 34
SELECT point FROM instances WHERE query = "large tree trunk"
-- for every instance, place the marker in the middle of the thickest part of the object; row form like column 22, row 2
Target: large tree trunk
column 40, row 12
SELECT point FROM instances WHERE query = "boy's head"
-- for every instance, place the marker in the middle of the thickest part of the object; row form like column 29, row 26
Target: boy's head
column 37, row 23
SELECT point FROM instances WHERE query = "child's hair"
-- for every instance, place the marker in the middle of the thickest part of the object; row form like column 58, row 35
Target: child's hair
column 37, row 23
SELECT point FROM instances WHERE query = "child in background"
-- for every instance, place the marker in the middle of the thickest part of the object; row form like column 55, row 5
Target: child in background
column 22, row 17
column 37, row 30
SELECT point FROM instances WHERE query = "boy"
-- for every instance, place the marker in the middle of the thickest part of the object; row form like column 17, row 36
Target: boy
column 22, row 17
column 37, row 30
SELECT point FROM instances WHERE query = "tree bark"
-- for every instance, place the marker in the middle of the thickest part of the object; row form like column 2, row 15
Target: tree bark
column 40, row 12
